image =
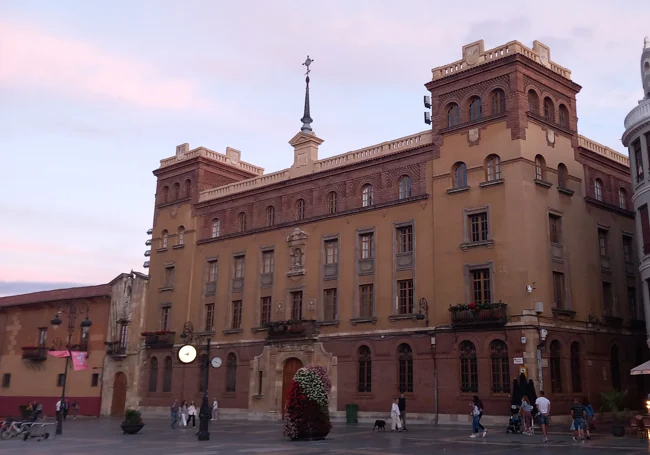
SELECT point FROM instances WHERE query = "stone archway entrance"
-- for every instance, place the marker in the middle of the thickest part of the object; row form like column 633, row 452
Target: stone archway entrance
column 119, row 395
column 291, row 366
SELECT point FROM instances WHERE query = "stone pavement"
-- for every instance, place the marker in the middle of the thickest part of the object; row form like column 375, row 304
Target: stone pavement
column 104, row 437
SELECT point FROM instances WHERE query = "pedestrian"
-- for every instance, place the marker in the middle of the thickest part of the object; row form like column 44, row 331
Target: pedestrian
column 191, row 414
column 477, row 413
column 402, row 410
column 75, row 409
column 589, row 416
column 527, row 416
column 215, row 409
column 66, row 409
column 578, row 414
column 543, row 406
column 174, row 414
column 59, row 413
column 184, row 414
column 396, row 423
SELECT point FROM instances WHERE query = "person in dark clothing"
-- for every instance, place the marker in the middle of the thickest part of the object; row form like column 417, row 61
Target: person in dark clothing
column 66, row 409
column 578, row 414
column 478, row 403
column 401, row 404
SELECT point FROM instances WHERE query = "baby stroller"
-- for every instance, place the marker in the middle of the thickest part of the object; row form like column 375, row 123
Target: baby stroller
column 514, row 421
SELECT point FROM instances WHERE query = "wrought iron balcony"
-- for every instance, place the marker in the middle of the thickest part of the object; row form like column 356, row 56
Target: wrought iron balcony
column 159, row 340
column 35, row 353
column 115, row 349
column 291, row 329
column 485, row 314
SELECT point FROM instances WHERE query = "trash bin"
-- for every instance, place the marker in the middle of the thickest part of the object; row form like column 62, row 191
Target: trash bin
column 351, row 411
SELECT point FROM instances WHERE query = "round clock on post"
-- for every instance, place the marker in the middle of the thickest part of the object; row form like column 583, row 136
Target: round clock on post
column 187, row 354
column 215, row 362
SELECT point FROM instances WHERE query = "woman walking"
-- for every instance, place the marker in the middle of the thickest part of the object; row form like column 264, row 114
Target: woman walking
column 477, row 413
column 589, row 416
column 526, row 411
column 396, row 423
column 191, row 415
column 184, row 414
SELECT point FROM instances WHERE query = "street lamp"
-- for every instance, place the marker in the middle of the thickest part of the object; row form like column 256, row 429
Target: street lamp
column 85, row 327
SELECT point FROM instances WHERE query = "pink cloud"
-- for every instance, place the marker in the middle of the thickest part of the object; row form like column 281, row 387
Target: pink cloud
column 33, row 57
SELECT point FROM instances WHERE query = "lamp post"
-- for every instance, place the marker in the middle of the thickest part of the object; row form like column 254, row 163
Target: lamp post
column 85, row 327
column 206, row 412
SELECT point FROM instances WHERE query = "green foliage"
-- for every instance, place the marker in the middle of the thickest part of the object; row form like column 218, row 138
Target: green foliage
column 613, row 401
column 132, row 417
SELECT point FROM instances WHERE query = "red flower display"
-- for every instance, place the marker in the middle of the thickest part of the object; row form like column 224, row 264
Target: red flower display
column 307, row 414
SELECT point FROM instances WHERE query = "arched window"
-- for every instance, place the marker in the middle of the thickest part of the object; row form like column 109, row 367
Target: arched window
column 177, row 191
column 188, row 188
column 453, row 115
column 459, row 175
column 562, row 175
column 492, row 168
column 576, row 370
column 231, row 372
column 153, row 374
column 615, row 361
column 556, row 367
column 167, row 375
column 405, row 359
column 364, row 381
column 270, row 215
column 533, row 102
column 564, row 115
column 331, row 203
column 165, row 193
column 215, row 227
column 404, row 187
column 598, row 190
column 498, row 101
column 549, row 109
column 300, row 209
column 366, row 195
column 540, row 168
column 475, row 109
column 203, row 370
column 242, row 222
column 500, row 367
column 181, row 236
column 468, row 369
column 164, row 237
column 622, row 198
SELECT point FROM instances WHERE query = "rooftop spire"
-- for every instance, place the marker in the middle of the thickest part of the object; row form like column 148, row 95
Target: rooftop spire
column 306, row 118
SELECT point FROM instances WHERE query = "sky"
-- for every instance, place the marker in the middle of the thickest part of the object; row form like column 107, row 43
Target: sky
column 94, row 94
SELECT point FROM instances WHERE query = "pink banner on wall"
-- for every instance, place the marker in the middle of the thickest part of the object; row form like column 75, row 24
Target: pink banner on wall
column 59, row 354
column 79, row 360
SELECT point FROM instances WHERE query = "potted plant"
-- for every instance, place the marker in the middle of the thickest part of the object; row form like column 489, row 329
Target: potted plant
column 613, row 403
column 132, row 422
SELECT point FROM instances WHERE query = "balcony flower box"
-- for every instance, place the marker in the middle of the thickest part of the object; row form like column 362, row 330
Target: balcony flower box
column 484, row 314
column 290, row 329
column 34, row 353
column 161, row 339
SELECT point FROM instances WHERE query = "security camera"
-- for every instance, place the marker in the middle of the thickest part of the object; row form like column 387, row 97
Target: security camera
column 543, row 334
column 529, row 288
column 523, row 340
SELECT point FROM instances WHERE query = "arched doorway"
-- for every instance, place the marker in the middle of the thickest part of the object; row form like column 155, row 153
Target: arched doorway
column 119, row 395
column 291, row 365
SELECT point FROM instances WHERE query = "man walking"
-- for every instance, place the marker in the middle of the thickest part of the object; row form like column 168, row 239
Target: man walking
column 402, row 410
column 578, row 414
column 543, row 406
column 59, row 416
column 174, row 412
column 215, row 409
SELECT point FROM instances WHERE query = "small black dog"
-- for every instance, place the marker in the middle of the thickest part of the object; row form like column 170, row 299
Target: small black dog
column 380, row 425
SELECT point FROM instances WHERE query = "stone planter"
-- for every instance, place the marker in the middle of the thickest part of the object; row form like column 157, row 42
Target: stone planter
column 131, row 428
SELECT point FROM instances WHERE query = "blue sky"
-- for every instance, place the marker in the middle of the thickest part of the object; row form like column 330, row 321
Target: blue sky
column 94, row 94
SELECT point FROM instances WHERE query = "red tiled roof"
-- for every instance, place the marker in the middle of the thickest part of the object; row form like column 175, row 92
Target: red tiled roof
column 83, row 292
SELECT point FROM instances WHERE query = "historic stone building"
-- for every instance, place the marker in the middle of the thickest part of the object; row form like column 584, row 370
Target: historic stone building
column 442, row 264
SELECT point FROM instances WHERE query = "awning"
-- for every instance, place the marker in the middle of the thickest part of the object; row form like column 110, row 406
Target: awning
column 644, row 368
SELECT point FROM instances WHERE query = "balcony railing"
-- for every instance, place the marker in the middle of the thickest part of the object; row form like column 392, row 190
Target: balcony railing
column 291, row 329
column 115, row 349
column 35, row 353
column 159, row 340
column 486, row 314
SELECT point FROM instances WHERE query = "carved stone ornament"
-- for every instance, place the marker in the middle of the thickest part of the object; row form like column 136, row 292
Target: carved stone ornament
column 297, row 235
column 233, row 155
column 297, row 241
column 544, row 55
column 279, row 307
column 301, row 160
column 550, row 136
column 473, row 135
column 472, row 54
column 311, row 305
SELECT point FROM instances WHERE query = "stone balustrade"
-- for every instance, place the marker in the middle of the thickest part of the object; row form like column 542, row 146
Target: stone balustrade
column 603, row 150
column 638, row 115
column 210, row 154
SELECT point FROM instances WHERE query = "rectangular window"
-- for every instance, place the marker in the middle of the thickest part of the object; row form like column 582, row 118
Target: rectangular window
column 405, row 299
column 6, row 380
column 627, row 248
column 405, row 239
column 212, row 271
column 331, row 252
column 645, row 228
column 555, row 228
column 366, row 301
column 60, row 380
column 42, row 336
column 647, row 146
column 124, row 334
column 329, row 296
column 482, row 292
column 631, row 303
column 559, row 291
column 366, row 245
column 478, row 227
column 265, row 310
column 164, row 318
column 236, row 314
column 608, row 299
column 268, row 262
column 209, row 317
column 169, row 276
column 296, row 305
column 240, row 264
column 260, row 377
column 602, row 241
column 638, row 160
column 94, row 380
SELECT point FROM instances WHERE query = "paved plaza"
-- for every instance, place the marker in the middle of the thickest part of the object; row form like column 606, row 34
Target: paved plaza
column 102, row 437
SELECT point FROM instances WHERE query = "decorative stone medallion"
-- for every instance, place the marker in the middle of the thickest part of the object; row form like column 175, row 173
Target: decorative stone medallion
column 550, row 136
column 472, row 54
column 473, row 135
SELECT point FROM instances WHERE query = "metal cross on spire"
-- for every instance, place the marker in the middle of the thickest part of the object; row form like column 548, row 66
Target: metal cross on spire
column 306, row 118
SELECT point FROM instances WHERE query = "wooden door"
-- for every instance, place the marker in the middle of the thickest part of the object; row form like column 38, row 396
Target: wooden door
column 290, row 367
column 119, row 395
